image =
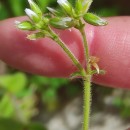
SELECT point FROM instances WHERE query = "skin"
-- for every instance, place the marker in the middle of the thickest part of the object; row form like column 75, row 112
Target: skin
column 110, row 43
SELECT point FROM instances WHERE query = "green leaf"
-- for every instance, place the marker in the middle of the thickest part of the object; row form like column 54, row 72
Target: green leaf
column 27, row 107
column 54, row 83
column 35, row 126
column 13, row 83
column 9, row 124
column 6, row 107
column 94, row 20
column 49, row 94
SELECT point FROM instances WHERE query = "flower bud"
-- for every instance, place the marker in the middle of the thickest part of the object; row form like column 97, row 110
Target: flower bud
column 86, row 5
column 94, row 20
column 53, row 11
column 32, row 15
column 78, row 6
column 35, row 8
column 66, row 6
column 36, row 36
column 62, row 23
column 26, row 25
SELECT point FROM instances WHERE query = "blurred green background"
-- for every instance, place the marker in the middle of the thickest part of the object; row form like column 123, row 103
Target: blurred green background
column 23, row 97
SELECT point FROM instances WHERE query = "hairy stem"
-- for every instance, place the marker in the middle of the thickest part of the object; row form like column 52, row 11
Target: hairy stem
column 87, row 81
column 86, row 48
column 85, row 74
column 87, row 103
column 66, row 49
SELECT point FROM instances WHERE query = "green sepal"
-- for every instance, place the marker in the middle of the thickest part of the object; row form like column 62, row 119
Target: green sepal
column 35, row 8
column 43, row 24
column 35, row 36
column 62, row 23
column 78, row 6
column 86, row 5
column 26, row 25
column 94, row 20
column 67, row 7
column 53, row 11
column 32, row 15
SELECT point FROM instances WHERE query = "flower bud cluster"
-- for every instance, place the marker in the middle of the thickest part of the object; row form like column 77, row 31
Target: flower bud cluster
column 80, row 11
column 70, row 17
column 37, row 22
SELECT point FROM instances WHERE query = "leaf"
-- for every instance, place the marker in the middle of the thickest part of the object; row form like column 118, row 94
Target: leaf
column 49, row 94
column 27, row 106
column 9, row 124
column 6, row 107
column 35, row 126
column 14, row 83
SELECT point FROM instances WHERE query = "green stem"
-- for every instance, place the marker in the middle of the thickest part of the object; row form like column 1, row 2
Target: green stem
column 66, row 49
column 86, row 76
column 87, row 81
column 82, row 31
column 87, row 103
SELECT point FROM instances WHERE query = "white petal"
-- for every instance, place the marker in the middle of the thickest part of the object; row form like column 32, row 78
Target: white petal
column 30, row 13
column 30, row 2
column 62, row 2
column 50, row 9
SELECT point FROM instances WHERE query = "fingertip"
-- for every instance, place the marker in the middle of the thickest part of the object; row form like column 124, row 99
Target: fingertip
column 111, row 44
